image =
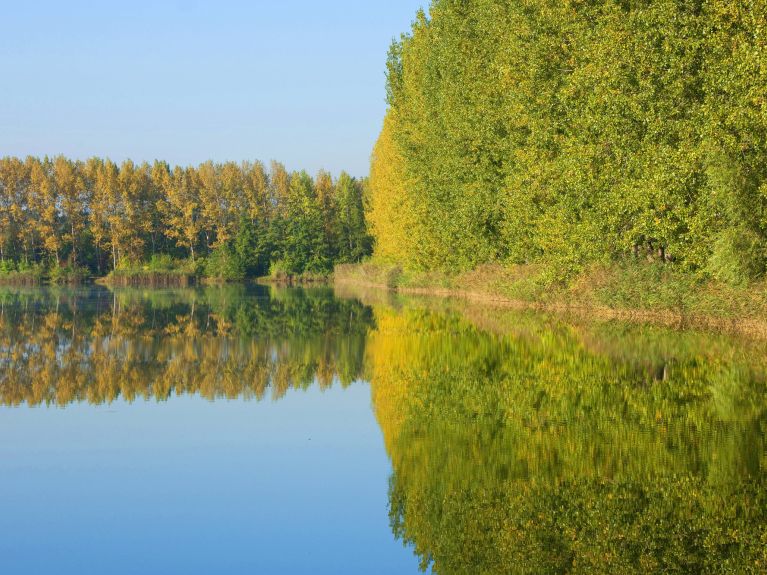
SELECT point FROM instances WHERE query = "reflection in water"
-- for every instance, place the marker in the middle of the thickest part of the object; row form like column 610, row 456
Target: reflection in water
column 555, row 451
column 218, row 343
column 517, row 446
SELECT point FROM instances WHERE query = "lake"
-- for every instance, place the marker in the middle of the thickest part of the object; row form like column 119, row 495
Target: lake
column 273, row 430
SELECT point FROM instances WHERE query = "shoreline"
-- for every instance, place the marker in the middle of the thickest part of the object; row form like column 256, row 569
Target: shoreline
column 562, row 302
column 160, row 280
column 736, row 311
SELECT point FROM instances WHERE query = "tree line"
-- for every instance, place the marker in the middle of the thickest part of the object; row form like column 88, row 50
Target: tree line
column 228, row 220
column 577, row 132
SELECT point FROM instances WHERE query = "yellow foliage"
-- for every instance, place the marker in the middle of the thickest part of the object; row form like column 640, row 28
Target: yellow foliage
column 391, row 214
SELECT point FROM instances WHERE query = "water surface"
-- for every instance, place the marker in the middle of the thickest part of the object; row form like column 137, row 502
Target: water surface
column 259, row 430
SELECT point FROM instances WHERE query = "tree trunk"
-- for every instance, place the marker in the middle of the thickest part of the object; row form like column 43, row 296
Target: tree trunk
column 74, row 247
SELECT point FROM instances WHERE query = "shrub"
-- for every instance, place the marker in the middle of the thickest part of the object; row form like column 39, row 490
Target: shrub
column 738, row 257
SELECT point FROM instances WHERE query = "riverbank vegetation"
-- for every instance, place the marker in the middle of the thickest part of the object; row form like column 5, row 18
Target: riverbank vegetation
column 633, row 291
column 570, row 137
column 62, row 220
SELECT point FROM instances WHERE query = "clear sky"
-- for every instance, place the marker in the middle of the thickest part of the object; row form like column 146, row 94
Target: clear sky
column 300, row 81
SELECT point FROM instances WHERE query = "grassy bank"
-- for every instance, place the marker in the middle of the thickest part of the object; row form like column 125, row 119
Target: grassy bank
column 122, row 278
column 160, row 272
column 637, row 291
column 288, row 279
column 38, row 274
column 185, row 276
column 23, row 278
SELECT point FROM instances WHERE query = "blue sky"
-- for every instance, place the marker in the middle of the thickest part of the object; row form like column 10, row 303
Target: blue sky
column 299, row 81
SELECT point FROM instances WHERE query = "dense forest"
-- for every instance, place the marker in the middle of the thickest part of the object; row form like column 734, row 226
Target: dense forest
column 571, row 133
column 228, row 220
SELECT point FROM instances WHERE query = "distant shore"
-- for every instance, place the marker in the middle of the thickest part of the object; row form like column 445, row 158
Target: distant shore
column 156, row 279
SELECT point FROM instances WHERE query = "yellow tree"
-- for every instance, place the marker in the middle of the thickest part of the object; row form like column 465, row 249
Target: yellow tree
column 279, row 186
column 255, row 184
column 220, row 187
column 73, row 200
column 42, row 203
column 105, row 207
column 181, row 208
column 232, row 201
column 326, row 191
column 392, row 212
column 95, row 181
column 160, row 181
column 128, row 217
column 209, row 199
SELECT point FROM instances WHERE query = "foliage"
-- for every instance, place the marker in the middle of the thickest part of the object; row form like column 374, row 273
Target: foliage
column 225, row 264
column 231, row 219
column 576, row 133
column 21, row 273
column 67, row 274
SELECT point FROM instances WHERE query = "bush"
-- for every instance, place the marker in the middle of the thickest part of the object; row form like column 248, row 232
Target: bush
column 224, row 264
column 163, row 263
column 21, row 273
column 7, row 267
column 67, row 274
column 738, row 257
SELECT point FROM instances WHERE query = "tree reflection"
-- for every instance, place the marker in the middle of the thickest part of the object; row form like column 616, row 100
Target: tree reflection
column 518, row 445
column 98, row 346
column 553, row 450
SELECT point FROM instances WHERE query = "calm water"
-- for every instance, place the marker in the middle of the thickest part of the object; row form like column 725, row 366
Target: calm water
column 256, row 430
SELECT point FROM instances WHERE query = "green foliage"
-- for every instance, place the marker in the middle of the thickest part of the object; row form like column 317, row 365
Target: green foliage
column 253, row 246
column 354, row 242
column 225, row 264
column 577, row 133
column 67, row 274
column 162, row 263
column 21, row 273
column 738, row 256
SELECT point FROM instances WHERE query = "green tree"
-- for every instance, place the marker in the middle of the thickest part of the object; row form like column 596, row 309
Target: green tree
column 354, row 242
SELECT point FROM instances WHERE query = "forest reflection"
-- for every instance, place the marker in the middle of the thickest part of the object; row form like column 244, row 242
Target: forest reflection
column 522, row 447
column 519, row 444
column 58, row 347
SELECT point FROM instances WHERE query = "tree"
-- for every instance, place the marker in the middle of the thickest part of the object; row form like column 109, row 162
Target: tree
column 180, row 207
column 42, row 204
column 13, row 212
column 354, row 242
column 74, row 200
column 576, row 133
column 87, row 213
